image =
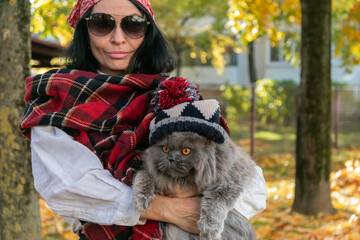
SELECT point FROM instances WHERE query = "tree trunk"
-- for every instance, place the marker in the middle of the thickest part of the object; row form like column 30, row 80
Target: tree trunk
column 253, row 78
column 19, row 203
column 313, row 143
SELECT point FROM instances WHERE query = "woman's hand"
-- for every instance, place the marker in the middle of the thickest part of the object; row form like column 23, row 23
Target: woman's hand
column 182, row 193
column 181, row 208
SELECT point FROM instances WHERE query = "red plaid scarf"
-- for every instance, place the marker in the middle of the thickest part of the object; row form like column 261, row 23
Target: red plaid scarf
column 109, row 115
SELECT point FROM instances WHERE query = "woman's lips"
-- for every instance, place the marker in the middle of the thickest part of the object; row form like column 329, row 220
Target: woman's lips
column 118, row 55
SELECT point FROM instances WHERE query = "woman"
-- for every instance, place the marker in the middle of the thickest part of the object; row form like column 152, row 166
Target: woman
column 86, row 127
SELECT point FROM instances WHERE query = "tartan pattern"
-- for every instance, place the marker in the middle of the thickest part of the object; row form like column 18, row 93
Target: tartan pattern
column 109, row 115
column 95, row 231
column 121, row 233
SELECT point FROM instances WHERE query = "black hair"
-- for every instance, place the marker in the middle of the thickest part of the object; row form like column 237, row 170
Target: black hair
column 78, row 53
column 153, row 56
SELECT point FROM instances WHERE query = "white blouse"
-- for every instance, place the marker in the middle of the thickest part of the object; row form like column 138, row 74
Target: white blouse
column 75, row 185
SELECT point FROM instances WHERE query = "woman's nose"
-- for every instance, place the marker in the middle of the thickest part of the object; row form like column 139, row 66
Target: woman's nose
column 118, row 35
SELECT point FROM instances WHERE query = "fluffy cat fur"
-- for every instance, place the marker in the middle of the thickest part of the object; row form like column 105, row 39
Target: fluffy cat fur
column 219, row 172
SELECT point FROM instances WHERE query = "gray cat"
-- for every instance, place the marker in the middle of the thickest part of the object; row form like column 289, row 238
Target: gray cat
column 219, row 171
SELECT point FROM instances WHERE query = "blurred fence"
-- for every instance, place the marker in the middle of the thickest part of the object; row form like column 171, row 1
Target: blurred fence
column 279, row 137
column 346, row 116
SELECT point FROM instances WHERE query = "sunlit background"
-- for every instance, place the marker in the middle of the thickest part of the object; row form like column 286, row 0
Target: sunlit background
column 210, row 40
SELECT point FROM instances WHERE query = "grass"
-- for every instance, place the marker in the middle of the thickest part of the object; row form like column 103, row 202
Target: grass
column 349, row 137
column 277, row 139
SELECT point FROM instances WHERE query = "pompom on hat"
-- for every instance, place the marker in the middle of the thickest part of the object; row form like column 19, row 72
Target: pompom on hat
column 82, row 6
column 174, row 91
column 181, row 110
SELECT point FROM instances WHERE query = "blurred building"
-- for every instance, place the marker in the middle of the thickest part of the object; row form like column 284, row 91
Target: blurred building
column 43, row 52
column 270, row 63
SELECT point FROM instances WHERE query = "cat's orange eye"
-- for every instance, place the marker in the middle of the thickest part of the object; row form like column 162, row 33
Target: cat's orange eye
column 165, row 149
column 186, row 151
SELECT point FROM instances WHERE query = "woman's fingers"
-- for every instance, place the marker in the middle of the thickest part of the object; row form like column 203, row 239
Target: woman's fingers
column 186, row 213
column 183, row 212
column 183, row 193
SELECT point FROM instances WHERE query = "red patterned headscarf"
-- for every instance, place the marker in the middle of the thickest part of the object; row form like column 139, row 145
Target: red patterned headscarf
column 82, row 6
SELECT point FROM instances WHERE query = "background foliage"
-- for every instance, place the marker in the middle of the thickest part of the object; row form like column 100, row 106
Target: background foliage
column 346, row 34
column 275, row 101
column 49, row 19
column 280, row 20
column 224, row 25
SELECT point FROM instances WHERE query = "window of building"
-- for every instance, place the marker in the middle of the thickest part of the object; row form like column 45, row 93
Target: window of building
column 277, row 53
column 286, row 52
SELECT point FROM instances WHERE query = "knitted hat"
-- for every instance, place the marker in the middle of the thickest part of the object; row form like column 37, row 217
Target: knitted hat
column 82, row 6
column 190, row 115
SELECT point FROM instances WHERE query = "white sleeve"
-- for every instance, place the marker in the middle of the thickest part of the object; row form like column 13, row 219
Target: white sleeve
column 253, row 199
column 74, row 183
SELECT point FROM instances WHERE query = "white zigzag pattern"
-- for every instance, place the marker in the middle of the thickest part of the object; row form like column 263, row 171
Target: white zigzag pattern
column 206, row 107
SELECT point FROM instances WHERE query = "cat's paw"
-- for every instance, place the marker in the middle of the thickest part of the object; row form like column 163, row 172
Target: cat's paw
column 210, row 228
column 210, row 236
column 142, row 201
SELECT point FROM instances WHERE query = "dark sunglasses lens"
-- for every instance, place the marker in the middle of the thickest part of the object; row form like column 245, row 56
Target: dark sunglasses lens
column 134, row 26
column 101, row 24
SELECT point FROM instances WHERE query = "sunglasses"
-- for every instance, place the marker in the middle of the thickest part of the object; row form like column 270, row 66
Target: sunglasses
column 101, row 24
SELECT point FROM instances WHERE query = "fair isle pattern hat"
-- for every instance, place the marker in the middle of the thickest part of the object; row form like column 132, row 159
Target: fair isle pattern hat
column 201, row 117
column 180, row 108
column 82, row 6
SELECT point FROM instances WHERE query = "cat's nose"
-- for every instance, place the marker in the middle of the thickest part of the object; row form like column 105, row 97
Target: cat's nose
column 171, row 160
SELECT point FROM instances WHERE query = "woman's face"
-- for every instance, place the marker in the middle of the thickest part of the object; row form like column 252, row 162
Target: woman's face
column 114, row 50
